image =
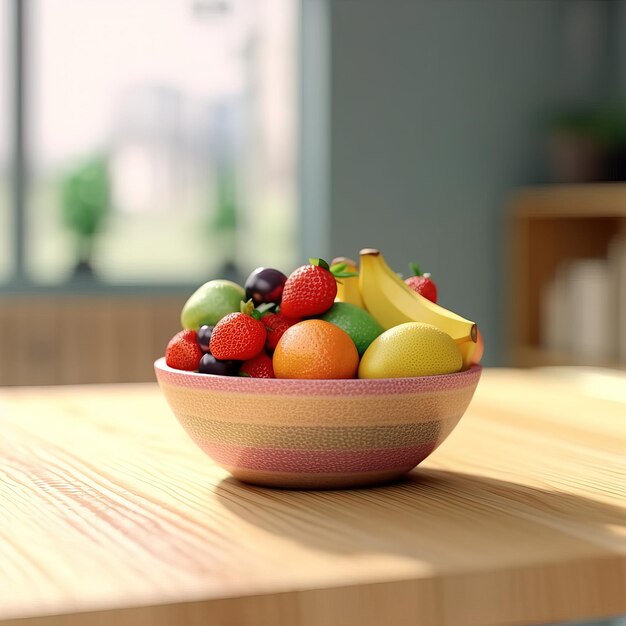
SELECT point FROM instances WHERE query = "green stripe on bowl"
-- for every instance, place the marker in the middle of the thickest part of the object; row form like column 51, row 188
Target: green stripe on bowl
column 317, row 437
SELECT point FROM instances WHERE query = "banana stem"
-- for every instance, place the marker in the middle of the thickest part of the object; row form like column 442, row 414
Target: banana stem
column 470, row 337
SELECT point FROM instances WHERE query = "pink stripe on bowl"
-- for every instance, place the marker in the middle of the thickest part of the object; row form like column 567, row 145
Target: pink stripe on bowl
column 316, row 461
column 287, row 387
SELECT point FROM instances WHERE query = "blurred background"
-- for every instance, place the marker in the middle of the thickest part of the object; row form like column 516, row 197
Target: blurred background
column 149, row 146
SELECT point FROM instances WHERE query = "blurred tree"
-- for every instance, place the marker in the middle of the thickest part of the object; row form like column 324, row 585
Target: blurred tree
column 85, row 202
column 223, row 225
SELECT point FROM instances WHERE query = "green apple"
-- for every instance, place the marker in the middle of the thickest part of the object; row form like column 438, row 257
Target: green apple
column 210, row 303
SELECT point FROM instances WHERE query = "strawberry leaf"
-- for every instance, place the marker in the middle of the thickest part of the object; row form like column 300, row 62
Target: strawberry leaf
column 338, row 267
column 247, row 308
column 266, row 307
column 320, row 263
column 415, row 268
column 340, row 270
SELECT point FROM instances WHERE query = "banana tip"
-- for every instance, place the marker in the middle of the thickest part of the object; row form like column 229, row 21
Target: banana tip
column 343, row 259
column 369, row 252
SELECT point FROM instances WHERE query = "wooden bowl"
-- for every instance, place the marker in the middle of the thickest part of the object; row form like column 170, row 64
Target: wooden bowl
column 317, row 434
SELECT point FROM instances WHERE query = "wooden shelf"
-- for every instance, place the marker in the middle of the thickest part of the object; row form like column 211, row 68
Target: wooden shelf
column 533, row 356
column 548, row 226
column 602, row 200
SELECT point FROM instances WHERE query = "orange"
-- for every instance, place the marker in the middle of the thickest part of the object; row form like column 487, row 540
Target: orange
column 315, row 349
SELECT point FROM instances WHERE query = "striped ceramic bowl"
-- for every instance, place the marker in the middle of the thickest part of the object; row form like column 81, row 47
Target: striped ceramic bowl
column 317, row 434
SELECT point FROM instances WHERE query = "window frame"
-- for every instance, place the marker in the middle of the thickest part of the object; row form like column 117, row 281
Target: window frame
column 16, row 179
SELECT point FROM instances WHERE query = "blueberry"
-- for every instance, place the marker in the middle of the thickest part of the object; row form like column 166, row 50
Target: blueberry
column 210, row 365
column 204, row 337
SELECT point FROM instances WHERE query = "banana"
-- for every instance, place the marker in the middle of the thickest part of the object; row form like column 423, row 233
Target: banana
column 391, row 302
column 468, row 349
column 348, row 288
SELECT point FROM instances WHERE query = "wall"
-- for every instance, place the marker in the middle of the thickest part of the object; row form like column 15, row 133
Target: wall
column 619, row 22
column 436, row 111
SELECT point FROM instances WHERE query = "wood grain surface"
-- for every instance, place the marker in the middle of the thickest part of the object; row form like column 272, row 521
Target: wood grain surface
column 109, row 514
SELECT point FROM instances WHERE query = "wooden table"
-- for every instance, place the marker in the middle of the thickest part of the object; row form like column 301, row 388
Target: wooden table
column 109, row 514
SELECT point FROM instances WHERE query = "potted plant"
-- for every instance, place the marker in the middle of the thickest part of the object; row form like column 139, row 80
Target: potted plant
column 85, row 203
column 588, row 145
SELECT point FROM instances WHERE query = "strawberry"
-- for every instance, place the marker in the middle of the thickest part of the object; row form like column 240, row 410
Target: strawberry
column 276, row 324
column 422, row 284
column 238, row 336
column 183, row 351
column 309, row 290
column 258, row 367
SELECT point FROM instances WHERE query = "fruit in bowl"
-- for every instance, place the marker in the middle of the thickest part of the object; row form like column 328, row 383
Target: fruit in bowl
column 333, row 376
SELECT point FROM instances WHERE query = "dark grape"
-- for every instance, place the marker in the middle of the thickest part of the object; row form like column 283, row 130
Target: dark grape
column 210, row 365
column 265, row 285
column 204, row 337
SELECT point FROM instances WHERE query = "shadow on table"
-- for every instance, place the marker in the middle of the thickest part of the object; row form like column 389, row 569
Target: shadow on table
column 452, row 505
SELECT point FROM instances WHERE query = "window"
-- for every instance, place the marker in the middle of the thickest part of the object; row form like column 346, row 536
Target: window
column 161, row 139
column 6, row 251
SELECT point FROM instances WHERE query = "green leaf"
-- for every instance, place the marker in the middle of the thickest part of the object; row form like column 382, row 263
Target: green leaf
column 338, row 267
column 320, row 263
column 266, row 307
column 415, row 268
column 247, row 307
column 340, row 270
